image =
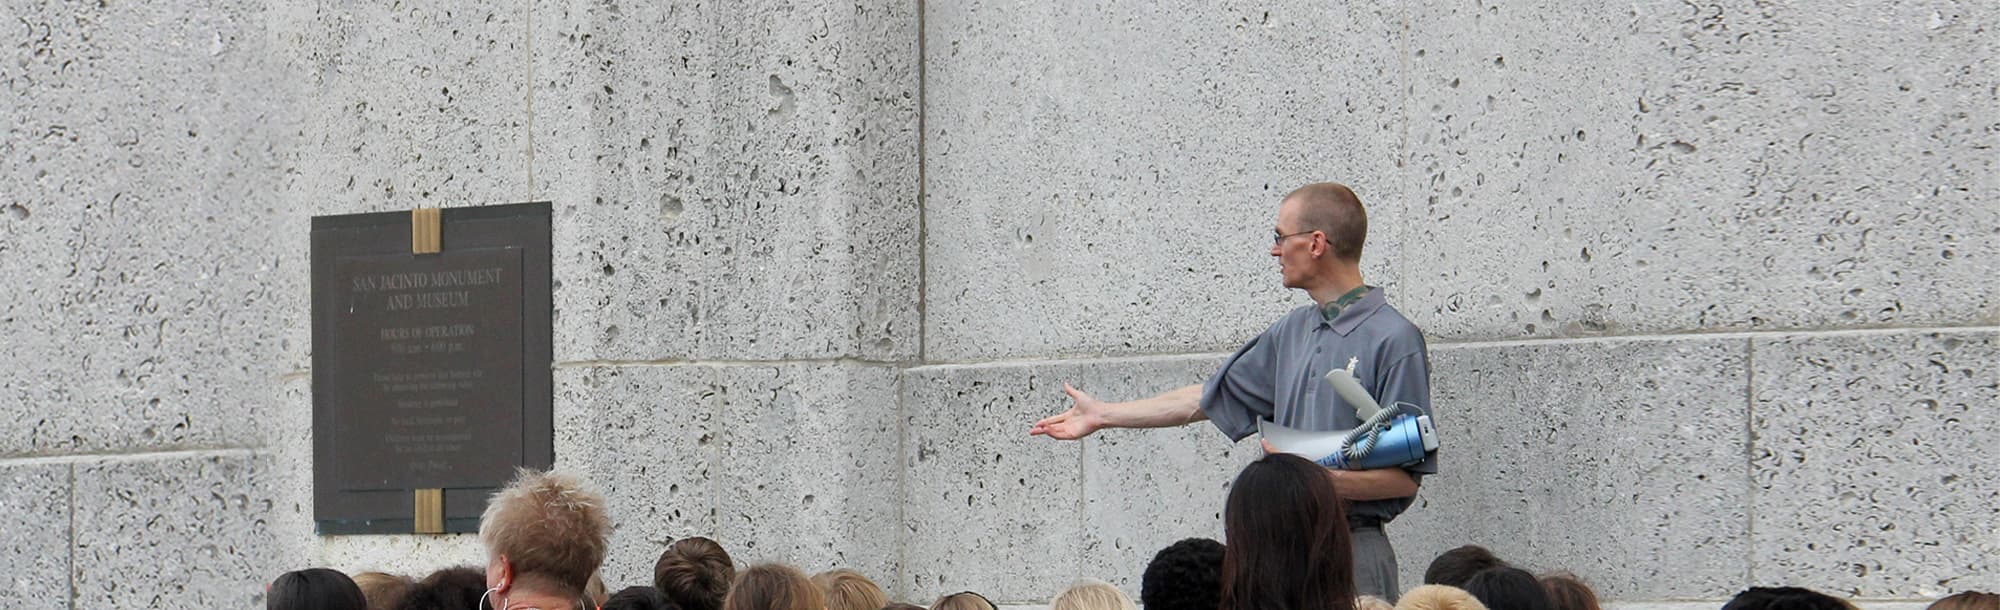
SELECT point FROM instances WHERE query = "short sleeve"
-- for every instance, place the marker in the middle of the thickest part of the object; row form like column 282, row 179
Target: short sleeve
column 1241, row 391
column 1408, row 380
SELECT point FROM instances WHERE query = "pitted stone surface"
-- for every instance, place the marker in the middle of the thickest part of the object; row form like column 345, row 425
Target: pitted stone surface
column 647, row 437
column 135, row 227
column 1096, row 185
column 1621, row 461
column 413, row 556
column 793, row 463
column 986, row 507
column 35, row 521
column 182, row 531
column 810, row 463
column 1146, row 489
column 1872, row 462
column 407, row 105
column 398, row 106
column 732, row 180
column 1652, row 167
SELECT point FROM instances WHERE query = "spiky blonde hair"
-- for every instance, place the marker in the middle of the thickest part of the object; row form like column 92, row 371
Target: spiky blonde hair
column 1092, row 594
column 547, row 524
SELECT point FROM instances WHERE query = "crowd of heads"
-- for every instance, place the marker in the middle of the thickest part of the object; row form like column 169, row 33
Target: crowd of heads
column 1289, row 548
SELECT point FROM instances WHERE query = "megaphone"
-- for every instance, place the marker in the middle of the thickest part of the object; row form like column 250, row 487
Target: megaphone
column 1386, row 437
column 1406, row 441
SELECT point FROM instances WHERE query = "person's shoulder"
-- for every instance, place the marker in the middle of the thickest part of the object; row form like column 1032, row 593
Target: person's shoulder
column 1391, row 318
column 1394, row 329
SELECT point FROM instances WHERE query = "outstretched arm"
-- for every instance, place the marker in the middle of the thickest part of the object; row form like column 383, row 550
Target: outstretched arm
column 1087, row 414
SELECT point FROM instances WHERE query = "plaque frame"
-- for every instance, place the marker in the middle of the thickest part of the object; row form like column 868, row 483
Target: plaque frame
column 522, row 226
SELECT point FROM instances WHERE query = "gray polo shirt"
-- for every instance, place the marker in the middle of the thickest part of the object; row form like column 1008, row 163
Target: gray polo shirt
column 1277, row 376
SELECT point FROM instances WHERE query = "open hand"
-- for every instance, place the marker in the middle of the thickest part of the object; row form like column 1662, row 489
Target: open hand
column 1085, row 415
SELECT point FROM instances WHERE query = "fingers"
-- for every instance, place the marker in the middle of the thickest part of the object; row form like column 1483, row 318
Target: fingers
column 1267, row 446
column 1047, row 423
column 1074, row 394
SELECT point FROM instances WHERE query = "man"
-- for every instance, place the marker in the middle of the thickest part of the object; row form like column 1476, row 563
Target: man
column 1277, row 375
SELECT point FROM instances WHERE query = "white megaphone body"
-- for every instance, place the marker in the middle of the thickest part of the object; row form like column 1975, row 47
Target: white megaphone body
column 1386, row 437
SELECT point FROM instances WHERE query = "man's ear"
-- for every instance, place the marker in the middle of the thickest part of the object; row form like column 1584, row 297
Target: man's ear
column 1322, row 244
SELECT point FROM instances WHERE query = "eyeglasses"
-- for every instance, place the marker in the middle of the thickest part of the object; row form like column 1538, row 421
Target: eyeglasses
column 1280, row 238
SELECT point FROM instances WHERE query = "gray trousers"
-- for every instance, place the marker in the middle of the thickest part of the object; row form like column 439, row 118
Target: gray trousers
column 1374, row 563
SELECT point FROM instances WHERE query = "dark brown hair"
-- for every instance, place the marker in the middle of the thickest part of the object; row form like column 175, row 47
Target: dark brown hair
column 1456, row 566
column 446, row 589
column 1288, row 546
column 695, row 573
column 1508, row 588
column 314, row 589
column 1567, row 592
column 1333, row 209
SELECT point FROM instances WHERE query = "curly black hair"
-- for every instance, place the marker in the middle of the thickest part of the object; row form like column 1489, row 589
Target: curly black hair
column 1785, row 598
column 446, row 589
column 1187, row 575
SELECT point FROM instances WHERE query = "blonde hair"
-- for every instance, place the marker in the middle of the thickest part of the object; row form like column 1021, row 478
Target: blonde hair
column 547, row 524
column 849, row 590
column 1968, row 600
column 1091, row 594
column 1370, row 602
column 1438, row 597
column 773, row 586
column 383, row 590
column 596, row 590
column 966, row 600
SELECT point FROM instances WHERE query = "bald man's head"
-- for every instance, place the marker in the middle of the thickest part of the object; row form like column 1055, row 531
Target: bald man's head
column 1332, row 209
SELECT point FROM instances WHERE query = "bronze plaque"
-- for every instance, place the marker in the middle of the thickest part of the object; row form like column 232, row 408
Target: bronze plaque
column 430, row 371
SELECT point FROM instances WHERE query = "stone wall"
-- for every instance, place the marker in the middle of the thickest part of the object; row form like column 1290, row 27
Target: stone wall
column 1708, row 288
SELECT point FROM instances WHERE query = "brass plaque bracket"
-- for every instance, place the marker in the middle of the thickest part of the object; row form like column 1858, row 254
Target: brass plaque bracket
column 429, row 511
column 426, row 230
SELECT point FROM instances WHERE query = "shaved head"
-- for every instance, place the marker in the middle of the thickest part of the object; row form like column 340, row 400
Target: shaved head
column 1332, row 209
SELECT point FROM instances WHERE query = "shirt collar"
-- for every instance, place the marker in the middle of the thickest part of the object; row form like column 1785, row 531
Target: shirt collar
column 1352, row 315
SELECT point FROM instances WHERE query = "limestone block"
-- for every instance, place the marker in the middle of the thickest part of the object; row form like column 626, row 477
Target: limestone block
column 185, row 530
column 409, row 555
column 1872, row 464
column 1146, row 489
column 731, row 180
column 397, row 106
column 990, row 509
column 810, row 464
column 1105, row 178
column 647, row 438
column 783, row 462
column 135, row 230
column 1621, row 461
column 406, row 105
column 35, row 515
column 1626, row 168
column 985, row 507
